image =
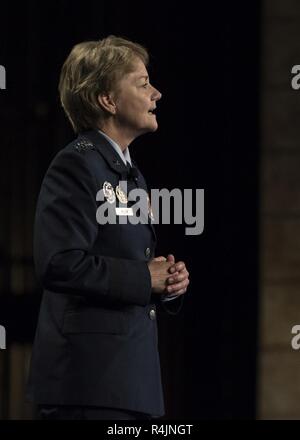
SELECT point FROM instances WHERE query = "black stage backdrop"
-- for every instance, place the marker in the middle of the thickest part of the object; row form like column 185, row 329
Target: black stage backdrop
column 205, row 61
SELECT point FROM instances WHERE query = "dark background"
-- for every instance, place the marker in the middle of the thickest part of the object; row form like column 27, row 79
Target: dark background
column 205, row 61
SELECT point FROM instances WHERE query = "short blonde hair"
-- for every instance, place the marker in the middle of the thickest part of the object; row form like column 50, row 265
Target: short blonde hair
column 92, row 68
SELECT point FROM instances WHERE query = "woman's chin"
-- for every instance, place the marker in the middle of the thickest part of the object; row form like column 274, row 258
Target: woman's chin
column 154, row 126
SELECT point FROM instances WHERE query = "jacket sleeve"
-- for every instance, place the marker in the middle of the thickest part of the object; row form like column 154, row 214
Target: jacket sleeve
column 64, row 233
column 170, row 309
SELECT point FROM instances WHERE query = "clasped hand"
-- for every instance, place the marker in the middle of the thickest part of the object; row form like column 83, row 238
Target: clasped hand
column 167, row 276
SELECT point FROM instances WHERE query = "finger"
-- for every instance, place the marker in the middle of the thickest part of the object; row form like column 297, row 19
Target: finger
column 181, row 292
column 172, row 278
column 185, row 272
column 171, row 258
column 160, row 259
column 178, row 286
column 177, row 267
column 180, row 266
column 177, row 293
column 178, row 276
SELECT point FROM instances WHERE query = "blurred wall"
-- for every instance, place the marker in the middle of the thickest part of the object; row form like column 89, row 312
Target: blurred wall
column 279, row 364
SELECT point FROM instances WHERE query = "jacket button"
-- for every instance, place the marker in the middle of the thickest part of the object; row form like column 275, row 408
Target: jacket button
column 152, row 314
column 147, row 252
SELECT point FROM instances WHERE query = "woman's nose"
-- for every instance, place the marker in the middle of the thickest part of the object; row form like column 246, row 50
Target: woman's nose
column 157, row 95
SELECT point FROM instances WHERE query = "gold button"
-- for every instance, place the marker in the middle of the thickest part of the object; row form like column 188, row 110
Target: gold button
column 152, row 314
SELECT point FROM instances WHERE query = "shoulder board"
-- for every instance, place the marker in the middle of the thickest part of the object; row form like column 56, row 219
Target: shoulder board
column 83, row 144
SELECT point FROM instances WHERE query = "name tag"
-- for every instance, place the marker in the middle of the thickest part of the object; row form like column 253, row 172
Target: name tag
column 124, row 211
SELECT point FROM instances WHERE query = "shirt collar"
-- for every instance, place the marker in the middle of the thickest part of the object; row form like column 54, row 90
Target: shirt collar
column 124, row 155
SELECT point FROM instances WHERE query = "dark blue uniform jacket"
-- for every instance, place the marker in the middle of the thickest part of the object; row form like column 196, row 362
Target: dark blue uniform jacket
column 96, row 338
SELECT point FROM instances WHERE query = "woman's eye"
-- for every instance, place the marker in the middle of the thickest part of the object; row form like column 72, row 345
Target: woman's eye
column 146, row 85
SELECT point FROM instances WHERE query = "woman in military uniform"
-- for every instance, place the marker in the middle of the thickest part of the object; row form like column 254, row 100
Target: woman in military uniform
column 95, row 353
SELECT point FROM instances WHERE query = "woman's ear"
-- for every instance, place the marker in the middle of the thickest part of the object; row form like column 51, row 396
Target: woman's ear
column 107, row 102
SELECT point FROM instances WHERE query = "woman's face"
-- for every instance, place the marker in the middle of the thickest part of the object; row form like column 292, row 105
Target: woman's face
column 134, row 100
